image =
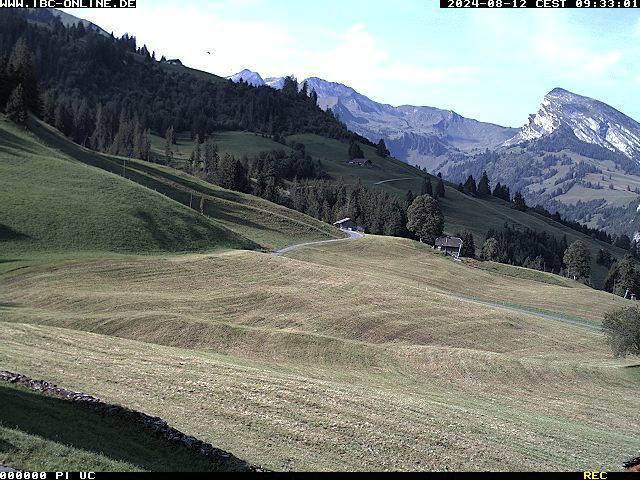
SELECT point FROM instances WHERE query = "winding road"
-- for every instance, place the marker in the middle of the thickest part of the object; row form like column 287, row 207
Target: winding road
column 352, row 236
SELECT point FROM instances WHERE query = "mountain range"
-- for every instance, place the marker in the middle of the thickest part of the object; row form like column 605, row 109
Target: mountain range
column 576, row 155
column 411, row 133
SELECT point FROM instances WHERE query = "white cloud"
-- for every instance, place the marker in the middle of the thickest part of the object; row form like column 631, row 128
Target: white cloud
column 601, row 63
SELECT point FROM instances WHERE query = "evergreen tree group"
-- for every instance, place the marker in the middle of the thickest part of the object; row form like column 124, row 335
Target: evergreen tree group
column 111, row 95
column 526, row 248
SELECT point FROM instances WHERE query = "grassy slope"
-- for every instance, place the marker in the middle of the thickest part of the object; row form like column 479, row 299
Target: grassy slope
column 349, row 356
column 54, row 204
column 261, row 222
column 42, row 433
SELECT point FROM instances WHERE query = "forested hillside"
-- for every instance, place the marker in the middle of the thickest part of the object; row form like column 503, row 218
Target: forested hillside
column 109, row 94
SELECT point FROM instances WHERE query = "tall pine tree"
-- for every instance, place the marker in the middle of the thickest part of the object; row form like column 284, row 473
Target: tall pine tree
column 17, row 106
column 484, row 189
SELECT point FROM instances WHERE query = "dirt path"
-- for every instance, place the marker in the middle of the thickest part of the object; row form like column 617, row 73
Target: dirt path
column 547, row 316
column 352, row 236
column 394, row 180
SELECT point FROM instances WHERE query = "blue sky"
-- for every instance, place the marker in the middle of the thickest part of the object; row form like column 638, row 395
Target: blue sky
column 492, row 65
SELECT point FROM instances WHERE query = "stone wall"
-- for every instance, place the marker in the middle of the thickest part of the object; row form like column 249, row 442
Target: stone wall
column 219, row 457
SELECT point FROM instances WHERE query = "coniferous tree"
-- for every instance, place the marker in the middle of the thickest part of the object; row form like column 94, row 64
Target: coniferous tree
column 101, row 138
column 468, row 245
column 144, row 148
column 22, row 67
column 82, row 122
column 355, row 151
column 240, row 178
column 5, row 82
column 17, row 106
column 440, row 191
column 469, row 187
column 409, row 198
column 519, row 202
column 313, row 97
column 210, row 159
column 484, row 188
column 195, row 158
column 427, row 187
column 168, row 143
column 381, row 149
column 290, row 87
column 48, row 103
column 623, row 242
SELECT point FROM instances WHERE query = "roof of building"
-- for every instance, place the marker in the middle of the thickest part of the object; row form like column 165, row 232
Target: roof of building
column 452, row 242
column 344, row 220
column 360, row 161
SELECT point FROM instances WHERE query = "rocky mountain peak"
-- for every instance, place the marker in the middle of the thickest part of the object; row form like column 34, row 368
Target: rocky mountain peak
column 590, row 120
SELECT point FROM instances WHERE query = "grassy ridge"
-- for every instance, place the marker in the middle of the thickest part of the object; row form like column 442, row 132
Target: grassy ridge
column 53, row 204
column 264, row 223
column 42, row 433
column 349, row 356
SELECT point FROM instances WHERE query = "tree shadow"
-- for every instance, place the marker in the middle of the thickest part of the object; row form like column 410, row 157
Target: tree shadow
column 110, row 436
column 8, row 233
column 14, row 143
column 6, row 447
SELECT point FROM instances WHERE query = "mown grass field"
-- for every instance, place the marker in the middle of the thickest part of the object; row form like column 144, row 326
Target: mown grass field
column 352, row 356
column 42, row 433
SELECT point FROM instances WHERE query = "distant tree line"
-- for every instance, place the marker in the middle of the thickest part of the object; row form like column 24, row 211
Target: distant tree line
column 525, row 248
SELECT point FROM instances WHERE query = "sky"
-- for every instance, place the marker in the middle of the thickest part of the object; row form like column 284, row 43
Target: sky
column 491, row 65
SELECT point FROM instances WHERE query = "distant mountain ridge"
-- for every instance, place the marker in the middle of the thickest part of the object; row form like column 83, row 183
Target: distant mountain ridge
column 411, row 133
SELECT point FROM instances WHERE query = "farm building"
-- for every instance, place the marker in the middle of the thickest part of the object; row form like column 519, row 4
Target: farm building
column 360, row 162
column 173, row 61
column 449, row 245
column 346, row 224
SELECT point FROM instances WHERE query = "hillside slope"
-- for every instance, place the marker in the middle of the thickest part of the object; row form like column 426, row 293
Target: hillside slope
column 366, row 355
column 41, row 432
column 55, row 204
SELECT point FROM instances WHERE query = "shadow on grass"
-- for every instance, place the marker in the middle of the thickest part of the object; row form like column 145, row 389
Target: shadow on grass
column 201, row 232
column 68, row 424
column 6, row 447
column 13, row 142
column 8, row 233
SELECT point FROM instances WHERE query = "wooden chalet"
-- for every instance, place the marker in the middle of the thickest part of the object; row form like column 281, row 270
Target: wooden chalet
column 345, row 224
column 449, row 245
column 360, row 162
